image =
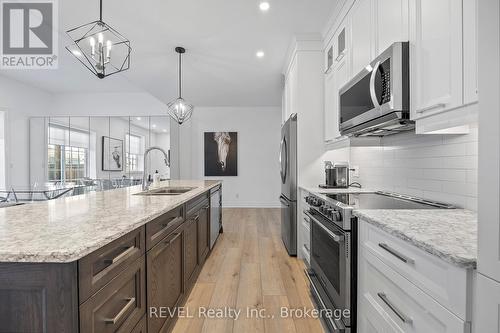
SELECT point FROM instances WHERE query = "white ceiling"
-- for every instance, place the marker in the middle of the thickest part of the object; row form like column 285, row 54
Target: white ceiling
column 221, row 38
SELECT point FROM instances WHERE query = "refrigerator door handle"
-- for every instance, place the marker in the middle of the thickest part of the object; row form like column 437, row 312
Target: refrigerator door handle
column 283, row 151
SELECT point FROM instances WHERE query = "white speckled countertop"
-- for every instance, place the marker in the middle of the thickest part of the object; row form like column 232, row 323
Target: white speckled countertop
column 65, row 230
column 450, row 234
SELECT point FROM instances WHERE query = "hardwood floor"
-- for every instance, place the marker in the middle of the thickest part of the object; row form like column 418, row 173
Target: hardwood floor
column 250, row 270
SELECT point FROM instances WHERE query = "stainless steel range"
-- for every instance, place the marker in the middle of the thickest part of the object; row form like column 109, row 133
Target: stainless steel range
column 333, row 270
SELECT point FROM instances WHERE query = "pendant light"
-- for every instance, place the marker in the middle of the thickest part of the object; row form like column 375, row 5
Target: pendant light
column 100, row 48
column 179, row 109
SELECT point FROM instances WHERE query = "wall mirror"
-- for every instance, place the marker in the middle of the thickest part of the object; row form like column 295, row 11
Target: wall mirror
column 97, row 153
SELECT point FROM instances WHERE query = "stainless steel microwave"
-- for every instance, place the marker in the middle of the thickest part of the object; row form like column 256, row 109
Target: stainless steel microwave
column 376, row 101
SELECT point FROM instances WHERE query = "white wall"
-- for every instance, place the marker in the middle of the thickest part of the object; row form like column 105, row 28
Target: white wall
column 259, row 128
column 436, row 167
column 20, row 102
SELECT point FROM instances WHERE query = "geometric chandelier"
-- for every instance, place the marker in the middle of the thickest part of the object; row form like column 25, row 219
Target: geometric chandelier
column 100, row 48
column 179, row 109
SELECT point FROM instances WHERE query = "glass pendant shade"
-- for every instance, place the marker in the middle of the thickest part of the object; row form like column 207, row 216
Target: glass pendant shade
column 179, row 109
column 100, row 48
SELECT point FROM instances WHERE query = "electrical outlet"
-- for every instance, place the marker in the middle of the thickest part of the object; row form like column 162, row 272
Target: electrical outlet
column 355, row 172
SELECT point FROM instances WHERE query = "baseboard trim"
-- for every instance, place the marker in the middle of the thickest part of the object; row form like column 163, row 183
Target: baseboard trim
column 251, row 205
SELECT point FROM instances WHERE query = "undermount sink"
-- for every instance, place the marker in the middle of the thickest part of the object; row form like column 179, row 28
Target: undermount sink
column 167, row 191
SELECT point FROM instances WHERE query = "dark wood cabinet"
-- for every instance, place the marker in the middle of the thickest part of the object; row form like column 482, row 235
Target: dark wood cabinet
column 101, row 266
column 165, row 284
column 141, row 327
column 38, row 298
column 162, row 226
column 191, row 227
column 203, row 233
column 132, row 285
column 118, row 306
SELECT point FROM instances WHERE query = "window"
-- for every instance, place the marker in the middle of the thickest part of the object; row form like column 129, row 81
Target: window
column 134, row 146
column 67, row 154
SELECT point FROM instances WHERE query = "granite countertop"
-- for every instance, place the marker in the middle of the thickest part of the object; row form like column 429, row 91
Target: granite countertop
column 67, row 229
column 450, row 234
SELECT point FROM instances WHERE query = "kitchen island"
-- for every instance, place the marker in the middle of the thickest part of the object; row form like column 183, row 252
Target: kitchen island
column 100, row 262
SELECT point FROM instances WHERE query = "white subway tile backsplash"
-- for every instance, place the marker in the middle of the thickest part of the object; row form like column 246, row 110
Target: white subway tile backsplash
column 426, row 185
column 437, row 167
column 451, row 175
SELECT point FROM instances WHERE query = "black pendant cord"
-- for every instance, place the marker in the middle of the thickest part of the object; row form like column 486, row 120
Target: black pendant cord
column 180, row 75
column 100, row 10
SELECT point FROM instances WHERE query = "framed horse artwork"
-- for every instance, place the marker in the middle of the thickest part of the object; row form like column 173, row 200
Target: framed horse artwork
column 221, row 154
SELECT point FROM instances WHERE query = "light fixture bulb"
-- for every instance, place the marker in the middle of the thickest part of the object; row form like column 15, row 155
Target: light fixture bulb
column 264, row 6
column 100, row 38
column 92, row 41
column 260, row 54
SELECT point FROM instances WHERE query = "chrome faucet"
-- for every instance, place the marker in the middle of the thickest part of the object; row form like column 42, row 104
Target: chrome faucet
column 145, row 183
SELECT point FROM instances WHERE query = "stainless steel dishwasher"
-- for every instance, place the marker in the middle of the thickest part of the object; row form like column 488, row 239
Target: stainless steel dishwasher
column 215, row 214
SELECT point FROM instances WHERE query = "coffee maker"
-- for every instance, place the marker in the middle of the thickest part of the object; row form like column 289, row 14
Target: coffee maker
column 336, row 175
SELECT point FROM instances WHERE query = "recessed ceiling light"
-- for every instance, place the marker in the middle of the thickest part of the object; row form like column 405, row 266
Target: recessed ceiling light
column 164, row 131
column 260, row 54
column 264, row 6
column 138, row 118
column 154, row 125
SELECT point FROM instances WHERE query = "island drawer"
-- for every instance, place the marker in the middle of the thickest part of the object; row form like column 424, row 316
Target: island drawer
column 119, row 306
column 193, row 206
column 162, row 226
column 101, row 266
column 443, row 281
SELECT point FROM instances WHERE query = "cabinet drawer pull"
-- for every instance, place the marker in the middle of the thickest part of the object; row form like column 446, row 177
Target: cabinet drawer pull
column 119, row 315
column 404, row 318
column 122, row 255
column 397, row 254
column 169, row 242
column 431, row 107
column 172, row 220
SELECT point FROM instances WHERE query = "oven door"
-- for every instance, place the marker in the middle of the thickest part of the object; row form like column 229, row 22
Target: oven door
column 330, row 261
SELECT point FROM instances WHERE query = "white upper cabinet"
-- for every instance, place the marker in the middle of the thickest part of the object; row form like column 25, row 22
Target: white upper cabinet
column 330, row 109
column 336, row 76
column 391, row 18
column 470, row 51
column 362, row 35
column 290, row 91
column 436, row 56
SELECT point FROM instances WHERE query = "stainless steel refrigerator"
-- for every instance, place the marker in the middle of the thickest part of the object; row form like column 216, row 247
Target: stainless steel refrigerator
column 288, row 172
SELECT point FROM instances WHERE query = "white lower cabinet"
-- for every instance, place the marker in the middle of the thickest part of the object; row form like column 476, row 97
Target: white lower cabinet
column 389, row 300
column 303, row 229
column 487, row 316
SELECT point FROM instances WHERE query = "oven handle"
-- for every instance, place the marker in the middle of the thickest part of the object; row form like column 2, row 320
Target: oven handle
column 334, row 236
column 373, row 94
column 335, row 327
